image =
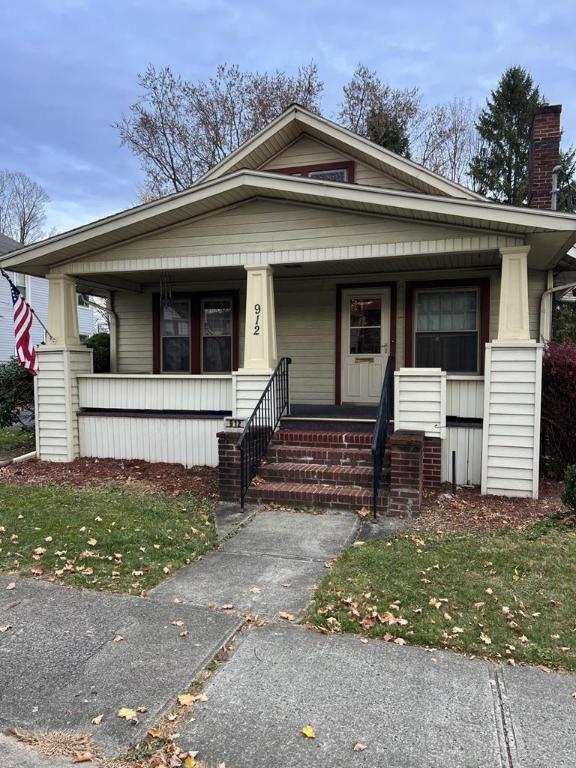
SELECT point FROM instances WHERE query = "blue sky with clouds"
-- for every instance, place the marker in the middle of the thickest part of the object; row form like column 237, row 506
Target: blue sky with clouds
column 69, row 68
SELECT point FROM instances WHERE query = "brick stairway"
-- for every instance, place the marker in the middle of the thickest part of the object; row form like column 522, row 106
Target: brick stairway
column 318, row 468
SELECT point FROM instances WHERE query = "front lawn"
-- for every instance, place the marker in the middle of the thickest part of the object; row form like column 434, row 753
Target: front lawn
column 101, row 539
column 15, row 441
column 509, row 594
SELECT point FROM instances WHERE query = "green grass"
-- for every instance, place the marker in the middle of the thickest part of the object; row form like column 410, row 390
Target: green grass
column 140, row 540
column 15, row 437
column 506, row 595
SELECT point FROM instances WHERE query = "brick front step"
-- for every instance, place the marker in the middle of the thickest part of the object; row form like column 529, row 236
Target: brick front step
column 346, row 457
column 331, row 474
column 306, row 494
column 321, row 439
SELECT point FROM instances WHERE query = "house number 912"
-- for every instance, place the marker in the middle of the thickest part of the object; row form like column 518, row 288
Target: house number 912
column 257, row 311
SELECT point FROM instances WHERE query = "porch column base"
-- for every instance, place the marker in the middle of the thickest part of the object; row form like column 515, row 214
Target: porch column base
column 511, row 429
column 229, row 464
column 247, row 388
column 56, row 400
column 406, row 473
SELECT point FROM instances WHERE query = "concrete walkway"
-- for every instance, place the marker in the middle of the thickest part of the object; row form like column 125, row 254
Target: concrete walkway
column 270, row 565
column 411, row 708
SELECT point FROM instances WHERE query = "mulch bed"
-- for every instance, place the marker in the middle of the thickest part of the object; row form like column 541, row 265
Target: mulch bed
column 469, row 510
column 134, row 476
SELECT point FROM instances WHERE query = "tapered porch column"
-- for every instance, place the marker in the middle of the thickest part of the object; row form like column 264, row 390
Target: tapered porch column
column 512, row 390
column 60, row 361
column 260, row 351
column 513, row 318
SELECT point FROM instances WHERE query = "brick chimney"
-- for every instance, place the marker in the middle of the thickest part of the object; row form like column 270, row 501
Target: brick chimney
column 544, row 154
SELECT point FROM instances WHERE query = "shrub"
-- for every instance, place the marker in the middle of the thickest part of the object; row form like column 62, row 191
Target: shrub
column 568, row 494
column 565, row 323
column 100, row 344
column 559, row 406
column 16, row 392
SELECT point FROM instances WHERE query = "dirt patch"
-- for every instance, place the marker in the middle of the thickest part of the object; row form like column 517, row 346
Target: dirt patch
column 469, row 510
column 136, row 476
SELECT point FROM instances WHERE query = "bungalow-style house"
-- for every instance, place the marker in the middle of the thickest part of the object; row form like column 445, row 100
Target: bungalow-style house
column 270, row 318
column 35, row 289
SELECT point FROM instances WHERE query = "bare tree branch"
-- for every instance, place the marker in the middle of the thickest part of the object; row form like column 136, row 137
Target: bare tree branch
column 22, row 207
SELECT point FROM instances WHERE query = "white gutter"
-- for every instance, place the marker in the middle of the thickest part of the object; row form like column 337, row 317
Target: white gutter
column 545, row 315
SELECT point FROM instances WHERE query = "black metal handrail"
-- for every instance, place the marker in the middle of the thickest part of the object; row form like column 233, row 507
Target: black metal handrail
column 385, row 414
column 262, row 424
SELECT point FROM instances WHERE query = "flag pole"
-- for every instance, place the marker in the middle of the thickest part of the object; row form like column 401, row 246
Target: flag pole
column 7, row 276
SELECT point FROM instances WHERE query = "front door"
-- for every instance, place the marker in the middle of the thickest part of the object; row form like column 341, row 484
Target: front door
column 365, row 343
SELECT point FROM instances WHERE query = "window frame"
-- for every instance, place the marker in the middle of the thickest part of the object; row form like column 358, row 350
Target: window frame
column 482, row 285
column 304, row 170
column 202, row 301
column 195, row 339
column 162, row 337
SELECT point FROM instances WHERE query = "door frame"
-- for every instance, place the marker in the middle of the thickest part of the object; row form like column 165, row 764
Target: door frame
column 340, row 287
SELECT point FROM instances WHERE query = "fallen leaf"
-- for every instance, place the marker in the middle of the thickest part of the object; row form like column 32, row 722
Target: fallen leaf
column 485, row 639
column 286, row 615
column 189, row 762
column 83, row 757
column 126, row 713
column 118, row 638
column 97, row 720
column 37, row 570
column 489, row 591
column 5, row 628
column 255, row 590
column 183, row 634
column 358, row 543
column 359, row 747
column 40, row 551
column 364, row 512
column 227, row 607
column 92, row 542
column 309, row 732
column 185, row 699
column 12, row 585
column 154, row 732
column 177, row 623
column 399, row 641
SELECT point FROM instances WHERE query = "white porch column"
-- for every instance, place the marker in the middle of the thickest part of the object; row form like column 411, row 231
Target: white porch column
column 513, row 317
column 512, row 390
column 56, row 386
column 260, row 351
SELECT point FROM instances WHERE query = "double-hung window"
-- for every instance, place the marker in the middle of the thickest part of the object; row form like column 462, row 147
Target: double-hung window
column 447, row 329
column 175, row 337
column 216, row 328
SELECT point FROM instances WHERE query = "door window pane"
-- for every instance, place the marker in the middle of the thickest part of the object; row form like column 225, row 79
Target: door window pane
column 216, row 335
column 175, row 333
column 365, row 341
column 365, row 325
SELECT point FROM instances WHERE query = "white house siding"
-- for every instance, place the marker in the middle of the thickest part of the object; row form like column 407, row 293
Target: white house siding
column 467, row 443
column 420, row 400
column 37, row 297
column 308, row 151
column 181, row 440
column 134, row 341
column 465, row 397
column 511, row 439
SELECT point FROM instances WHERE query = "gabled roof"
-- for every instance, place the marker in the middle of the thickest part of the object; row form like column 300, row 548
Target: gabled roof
column 550, row 231
column 297, row 120
column 7, row 244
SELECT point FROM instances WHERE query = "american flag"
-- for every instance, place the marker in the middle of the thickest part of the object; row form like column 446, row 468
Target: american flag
column 23, row 316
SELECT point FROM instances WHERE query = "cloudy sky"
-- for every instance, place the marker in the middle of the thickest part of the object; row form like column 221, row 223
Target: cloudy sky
column 69, row 68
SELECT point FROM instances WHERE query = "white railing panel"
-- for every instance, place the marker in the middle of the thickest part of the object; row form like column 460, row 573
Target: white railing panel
column 156, row 393
column 465, row 396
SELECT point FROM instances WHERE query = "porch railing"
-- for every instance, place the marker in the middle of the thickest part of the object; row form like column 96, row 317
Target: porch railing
column 261, row 425
column 385, row 414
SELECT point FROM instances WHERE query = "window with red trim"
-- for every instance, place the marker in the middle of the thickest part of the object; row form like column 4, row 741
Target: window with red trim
column 342, row 172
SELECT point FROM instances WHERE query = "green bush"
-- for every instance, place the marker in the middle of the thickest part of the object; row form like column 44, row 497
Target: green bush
column 565, row 323
column 16, row 392
column 568, row 494
column 100, row 344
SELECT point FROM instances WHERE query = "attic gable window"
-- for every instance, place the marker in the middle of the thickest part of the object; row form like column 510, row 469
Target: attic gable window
column 342, row 172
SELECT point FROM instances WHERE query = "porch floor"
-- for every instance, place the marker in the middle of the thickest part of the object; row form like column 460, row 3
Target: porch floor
column 346, row 412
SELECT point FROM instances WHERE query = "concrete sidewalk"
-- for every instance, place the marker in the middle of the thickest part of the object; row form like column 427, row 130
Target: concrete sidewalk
column 270, row 565
column 410, row 707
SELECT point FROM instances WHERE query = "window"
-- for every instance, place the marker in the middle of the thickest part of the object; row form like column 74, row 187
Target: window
column 175, row 337
column 365, row 325
column 216, row 330
column 20, row 283
column 447, row 329
column 337, row 174
column 342, row 172
column 83, row 300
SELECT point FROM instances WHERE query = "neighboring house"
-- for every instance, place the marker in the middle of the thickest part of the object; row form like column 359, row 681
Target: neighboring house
column 314, row 244
column 35, row 289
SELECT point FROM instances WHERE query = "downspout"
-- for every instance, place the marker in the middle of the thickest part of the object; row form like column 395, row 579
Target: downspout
column 545, row 313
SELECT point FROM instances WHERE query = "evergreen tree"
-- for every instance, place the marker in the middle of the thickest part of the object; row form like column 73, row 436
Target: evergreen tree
column 567, row 181
column 500, row 167
column 389, row 132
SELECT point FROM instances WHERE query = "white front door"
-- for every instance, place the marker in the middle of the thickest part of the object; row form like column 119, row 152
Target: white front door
column 365, row 343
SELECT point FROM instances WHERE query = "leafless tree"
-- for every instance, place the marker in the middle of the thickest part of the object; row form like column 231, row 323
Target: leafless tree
column 446, row 139
column 180, row 129
column 368, row 103
column 22, row 207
